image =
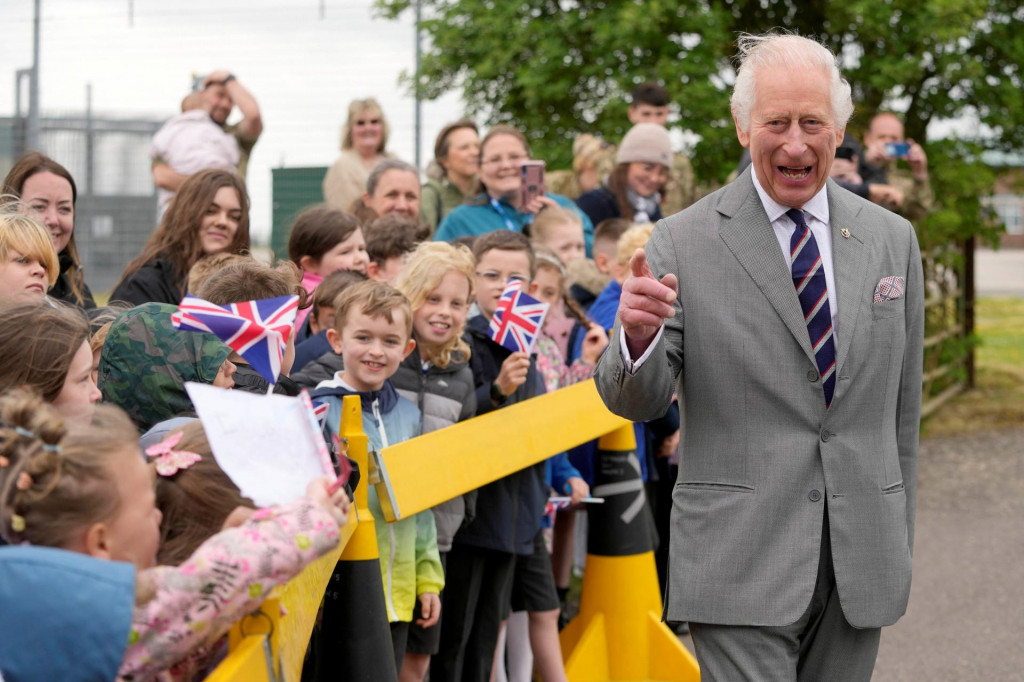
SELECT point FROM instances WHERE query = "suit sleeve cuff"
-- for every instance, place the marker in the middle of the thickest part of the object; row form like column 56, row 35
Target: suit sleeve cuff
column 633, row 365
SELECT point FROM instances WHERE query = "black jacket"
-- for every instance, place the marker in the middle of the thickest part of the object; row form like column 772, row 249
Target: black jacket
column 509, row 510
column 249, row 380
column 61, row 289
column 321, row 369
column 600, row 204
column 157, row 280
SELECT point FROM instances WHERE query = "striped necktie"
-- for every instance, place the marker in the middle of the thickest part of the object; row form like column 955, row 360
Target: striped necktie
column 811, row 289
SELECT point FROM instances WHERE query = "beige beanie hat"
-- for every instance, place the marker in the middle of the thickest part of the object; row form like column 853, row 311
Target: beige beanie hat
column 646, row 143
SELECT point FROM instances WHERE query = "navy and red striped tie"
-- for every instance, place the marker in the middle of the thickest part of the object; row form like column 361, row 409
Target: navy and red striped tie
column 812, row 290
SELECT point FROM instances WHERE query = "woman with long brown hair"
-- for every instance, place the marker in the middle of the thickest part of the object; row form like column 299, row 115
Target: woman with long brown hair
column 208, row 215
column 48, row 193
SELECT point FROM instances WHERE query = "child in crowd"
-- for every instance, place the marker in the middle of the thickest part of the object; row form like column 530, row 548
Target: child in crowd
column 251, row 281
column 388, row 241
column 509, row 510
column 373, row 334
column 145, row 363
column 438, row 281
column 568, row 347
column 46, row 349
column 315, row 360
column 560, row 230
column 100, row 322
column 28, row 263
column 590, row 277
column 88, row 491
column 207, row 265
column 324, row 240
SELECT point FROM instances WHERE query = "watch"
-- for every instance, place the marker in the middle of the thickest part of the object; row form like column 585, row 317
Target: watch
column 497, row 397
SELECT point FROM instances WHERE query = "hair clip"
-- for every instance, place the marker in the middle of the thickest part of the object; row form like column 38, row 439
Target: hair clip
column 23, row 432
column 170, row 461
column 52, row 447
column 17, row 523
column 24, row 481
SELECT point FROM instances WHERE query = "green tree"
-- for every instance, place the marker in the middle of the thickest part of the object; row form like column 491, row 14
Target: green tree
column 556, row 68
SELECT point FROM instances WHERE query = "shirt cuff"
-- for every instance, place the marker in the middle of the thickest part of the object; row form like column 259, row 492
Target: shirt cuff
column 633, row 365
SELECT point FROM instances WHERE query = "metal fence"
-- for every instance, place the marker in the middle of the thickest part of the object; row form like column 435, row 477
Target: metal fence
column 116, row 209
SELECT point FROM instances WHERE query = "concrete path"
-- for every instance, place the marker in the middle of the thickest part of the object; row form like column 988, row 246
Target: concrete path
column 999, row 273
column 965, row 622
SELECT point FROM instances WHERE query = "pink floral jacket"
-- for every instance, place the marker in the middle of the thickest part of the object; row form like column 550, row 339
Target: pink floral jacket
column 228, row 577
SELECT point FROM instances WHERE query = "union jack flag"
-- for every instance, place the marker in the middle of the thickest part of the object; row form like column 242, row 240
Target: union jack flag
column 256, row 330
column 320, row 411
column 517, row 319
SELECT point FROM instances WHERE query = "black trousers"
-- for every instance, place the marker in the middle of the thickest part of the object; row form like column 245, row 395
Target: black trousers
column 476, row 597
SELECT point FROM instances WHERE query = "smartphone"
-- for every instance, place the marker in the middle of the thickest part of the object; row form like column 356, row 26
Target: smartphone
column 533, row 181
column 897, row 150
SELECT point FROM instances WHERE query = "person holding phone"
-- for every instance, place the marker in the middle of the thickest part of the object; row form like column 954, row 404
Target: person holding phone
column 510, row 193
column 884, row 148
column 633, row 189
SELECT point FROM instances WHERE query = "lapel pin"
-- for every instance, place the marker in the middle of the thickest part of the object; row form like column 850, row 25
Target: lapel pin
column 845, row 233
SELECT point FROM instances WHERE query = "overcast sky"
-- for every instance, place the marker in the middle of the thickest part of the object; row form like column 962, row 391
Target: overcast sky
column 302, row 69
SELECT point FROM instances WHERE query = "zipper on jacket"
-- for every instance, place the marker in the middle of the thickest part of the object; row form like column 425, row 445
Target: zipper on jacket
column 389, row 598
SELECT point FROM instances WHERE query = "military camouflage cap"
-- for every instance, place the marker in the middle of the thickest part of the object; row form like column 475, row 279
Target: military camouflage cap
column 145, row 363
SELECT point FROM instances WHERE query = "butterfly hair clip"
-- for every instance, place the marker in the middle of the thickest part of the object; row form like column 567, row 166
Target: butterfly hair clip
column 170, row 461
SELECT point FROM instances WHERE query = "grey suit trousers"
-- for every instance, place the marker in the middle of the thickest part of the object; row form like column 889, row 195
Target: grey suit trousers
column 819, row 647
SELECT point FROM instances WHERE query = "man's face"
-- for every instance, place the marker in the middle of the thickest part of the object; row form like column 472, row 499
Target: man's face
column 217, row 102
column 648, row 113
column 884, row 128
column 792, row 134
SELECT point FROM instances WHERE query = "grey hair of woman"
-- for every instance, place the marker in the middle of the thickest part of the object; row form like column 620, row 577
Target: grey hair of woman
column 383, row 167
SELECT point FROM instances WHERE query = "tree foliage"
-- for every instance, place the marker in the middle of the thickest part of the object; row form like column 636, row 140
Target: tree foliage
column 556, row 68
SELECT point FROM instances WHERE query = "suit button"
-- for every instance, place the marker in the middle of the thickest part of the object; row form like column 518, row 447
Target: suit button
column 825, row 435
column 812, row 375
column 814, row 496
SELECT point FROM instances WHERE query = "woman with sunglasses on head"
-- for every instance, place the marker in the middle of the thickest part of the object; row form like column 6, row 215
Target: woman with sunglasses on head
column 499, row 204
column 364, row 139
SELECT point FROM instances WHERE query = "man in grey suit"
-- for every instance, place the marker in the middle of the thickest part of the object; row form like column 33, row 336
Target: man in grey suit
column 796, row 338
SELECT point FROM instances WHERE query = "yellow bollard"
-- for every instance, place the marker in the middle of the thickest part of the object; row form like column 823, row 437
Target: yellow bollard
column 618, row 634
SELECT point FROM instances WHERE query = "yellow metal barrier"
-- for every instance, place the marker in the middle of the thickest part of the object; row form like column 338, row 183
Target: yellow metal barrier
column 472, row 453
column 418, row 474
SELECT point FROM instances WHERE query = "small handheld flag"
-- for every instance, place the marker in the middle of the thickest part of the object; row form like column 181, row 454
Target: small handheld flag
column 256, row 330
column 518, row 319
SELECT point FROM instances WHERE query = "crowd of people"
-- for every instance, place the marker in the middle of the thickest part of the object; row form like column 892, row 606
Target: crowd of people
column 398, row 280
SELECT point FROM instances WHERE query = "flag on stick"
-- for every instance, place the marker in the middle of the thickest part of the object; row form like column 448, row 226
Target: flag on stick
column 256, row 330
column 518, row 319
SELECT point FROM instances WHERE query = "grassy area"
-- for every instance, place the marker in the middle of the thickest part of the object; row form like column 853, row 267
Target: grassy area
column 998, row 399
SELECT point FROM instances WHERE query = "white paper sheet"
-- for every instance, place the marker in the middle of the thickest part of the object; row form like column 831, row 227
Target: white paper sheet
column 269, row 445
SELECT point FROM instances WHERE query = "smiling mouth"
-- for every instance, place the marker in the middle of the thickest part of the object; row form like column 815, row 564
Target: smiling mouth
column 795, row 173
column 373, row 365
column 440, row 326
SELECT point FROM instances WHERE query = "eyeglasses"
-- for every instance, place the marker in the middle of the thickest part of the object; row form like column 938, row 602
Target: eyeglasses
column 495, row 277
column 514, row 160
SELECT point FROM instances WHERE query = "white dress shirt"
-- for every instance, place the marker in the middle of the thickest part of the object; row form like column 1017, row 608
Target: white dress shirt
column 816, row 216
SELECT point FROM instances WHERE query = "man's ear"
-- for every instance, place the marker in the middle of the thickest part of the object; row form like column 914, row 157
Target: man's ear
column 334, row 338
column 408, row 348
column 97, row 541
column 741, row 134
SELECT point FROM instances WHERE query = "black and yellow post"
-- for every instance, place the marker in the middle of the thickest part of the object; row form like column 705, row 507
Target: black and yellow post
column 618, row 634
column 355, row 639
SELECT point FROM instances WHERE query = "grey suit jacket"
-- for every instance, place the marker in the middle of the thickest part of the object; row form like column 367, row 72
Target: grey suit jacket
column 761, row 455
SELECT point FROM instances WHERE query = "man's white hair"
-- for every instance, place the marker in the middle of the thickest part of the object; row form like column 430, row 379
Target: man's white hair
column 790, row 51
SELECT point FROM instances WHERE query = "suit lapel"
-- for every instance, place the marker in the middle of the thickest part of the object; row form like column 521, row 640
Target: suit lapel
column 850, row 263
column 748, row 234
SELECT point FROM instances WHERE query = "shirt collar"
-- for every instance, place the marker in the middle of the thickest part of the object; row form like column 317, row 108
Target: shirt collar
column 817, row 207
